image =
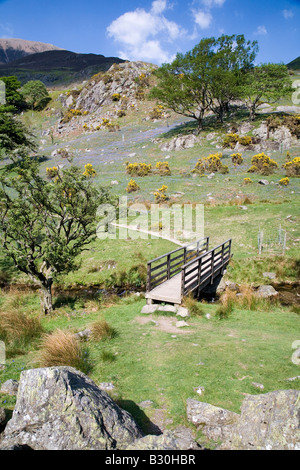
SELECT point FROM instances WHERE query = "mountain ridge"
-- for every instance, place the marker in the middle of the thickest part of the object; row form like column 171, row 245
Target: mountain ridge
column 12, row 49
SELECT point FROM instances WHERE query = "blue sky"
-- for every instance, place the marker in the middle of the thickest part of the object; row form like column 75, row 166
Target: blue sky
column 154, row 30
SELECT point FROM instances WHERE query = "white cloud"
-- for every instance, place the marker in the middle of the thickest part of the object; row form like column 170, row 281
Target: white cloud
column 213, row 3
column 287, row 14
column 261, row 31
column 141, row 34
column 202, row 18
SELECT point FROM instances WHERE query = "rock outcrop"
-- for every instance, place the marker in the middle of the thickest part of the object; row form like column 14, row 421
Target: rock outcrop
column 268, row 421
column 59, row 408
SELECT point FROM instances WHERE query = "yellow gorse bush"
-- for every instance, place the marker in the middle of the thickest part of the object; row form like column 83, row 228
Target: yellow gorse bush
column 284, row 181
column 132, row 186
column 212, row 163
column 262, row 164
column 163, row 168
column 292, row 168
column 89, row 170
column 237, row 158
column 138, row 169
column 160, row 194
column 247, row 181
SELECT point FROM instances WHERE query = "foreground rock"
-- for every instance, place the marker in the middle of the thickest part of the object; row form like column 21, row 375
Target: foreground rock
column 59, row 408
column 269, row 421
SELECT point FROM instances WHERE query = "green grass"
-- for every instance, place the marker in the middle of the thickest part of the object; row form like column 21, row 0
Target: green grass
column 145, row 363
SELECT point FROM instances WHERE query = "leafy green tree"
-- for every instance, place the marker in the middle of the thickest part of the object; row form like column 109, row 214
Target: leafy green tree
column 267, row 82
column 36, row 94
column 14, row 99
column 15, row 138
column 184, row 84
column 233, row 58
column 205, row 78
column 45, row 223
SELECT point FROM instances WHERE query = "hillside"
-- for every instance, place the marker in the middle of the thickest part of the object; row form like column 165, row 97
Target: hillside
column 295, row 64
column 58, row 66
column 14, row 49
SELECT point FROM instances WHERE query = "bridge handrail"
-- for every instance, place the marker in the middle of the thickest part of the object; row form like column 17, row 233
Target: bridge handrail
column 169, row 271
column 212, row 265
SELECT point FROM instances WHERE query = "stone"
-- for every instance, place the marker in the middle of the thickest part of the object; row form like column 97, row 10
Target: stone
column 2, row 416
column 263, row 182
column 180, row 143
column 146, row 404
column 10, row 387
column 182, row 312
column 106, row 386
column 267, row 422
column 181, row 324
column 257, row 385
column 165, row 441
column 84, row 334
column 211, row 420
column 167, row 308
column 269, row 275
column 267, row 292
column 147, row 309
column 60, row 408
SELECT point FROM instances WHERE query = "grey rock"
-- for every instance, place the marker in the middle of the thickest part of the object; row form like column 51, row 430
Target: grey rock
column 269, row 275
column 263, row 182
column 84, row 334
column 149, row 308
column 167, row 308
column 106, row 386
column 165, row 441
column 60, row 408
column 10, row 387
column 267, row 422
column 182, row 312
column 267, row 292
column 181, row 324
column 2, row 416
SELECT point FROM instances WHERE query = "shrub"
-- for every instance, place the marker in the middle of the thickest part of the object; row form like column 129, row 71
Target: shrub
column 247, row 181
column 292, row 168
column 160, row 194
column 212, row 163
column 163, row 168
column 237, row 158
column 62, row 348
column 262, row 164
column 284, row 181
column 157, row 112
column 132, row 186
column 89, row 170
column 245, row 140
column 116, row 97
column 230, row 140
column 138, row 169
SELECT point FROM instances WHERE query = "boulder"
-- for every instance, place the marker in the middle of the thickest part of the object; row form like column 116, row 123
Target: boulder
column 268, row 422
column 60, row 408
column 267, row 292
column 213, row 421
column 181, row 143
column 10, row 387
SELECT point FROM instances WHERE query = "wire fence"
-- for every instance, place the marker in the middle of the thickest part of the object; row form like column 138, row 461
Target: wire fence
column 273, row 242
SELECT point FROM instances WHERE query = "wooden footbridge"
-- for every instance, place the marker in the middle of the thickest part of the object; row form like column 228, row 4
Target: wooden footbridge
column 188, row 269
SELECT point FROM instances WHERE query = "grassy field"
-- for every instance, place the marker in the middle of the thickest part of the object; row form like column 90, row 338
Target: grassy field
column 148, row 358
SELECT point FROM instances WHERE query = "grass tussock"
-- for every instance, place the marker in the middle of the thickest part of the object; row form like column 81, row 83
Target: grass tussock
column 194, row 307
column 62, row 348
column 101, row 330
column 228, row 301
column 18, row 330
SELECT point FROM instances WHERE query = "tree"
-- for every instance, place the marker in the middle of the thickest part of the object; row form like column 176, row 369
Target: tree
column 15, row 138
column 184, row 84
column 205, row 78
column 45, row 223
column 14, row 99
column 233, row 58
column 268, row 82
column 36, row 94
